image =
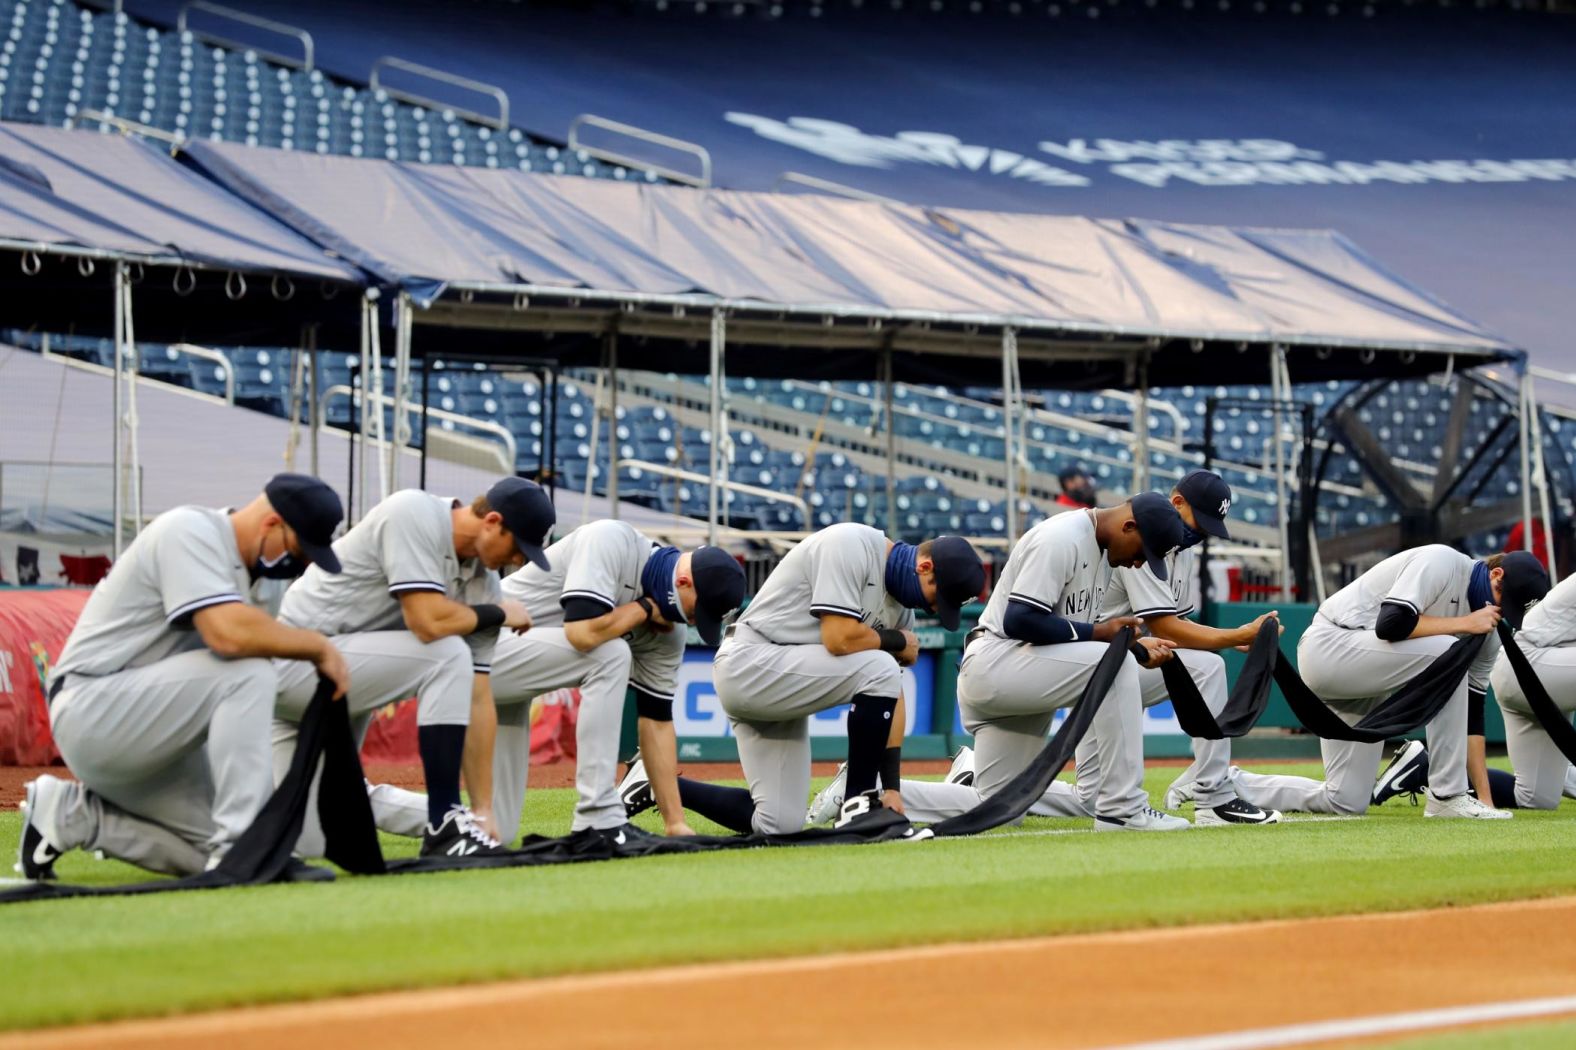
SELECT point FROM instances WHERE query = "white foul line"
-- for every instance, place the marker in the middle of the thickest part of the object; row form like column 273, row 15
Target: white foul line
column 1360, row 1027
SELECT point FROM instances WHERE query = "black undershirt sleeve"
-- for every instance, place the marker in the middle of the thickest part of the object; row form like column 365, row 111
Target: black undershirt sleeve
column 1396, row 621
column 581, row 608
column 1038, row 627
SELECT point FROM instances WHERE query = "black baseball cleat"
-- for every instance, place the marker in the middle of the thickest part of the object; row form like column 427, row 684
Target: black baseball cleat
column 624, row 840
column 459, row 836
column 299, row 870
column 635, row 789
column 866, row 813
column 1236, row 811
column 1407, row 774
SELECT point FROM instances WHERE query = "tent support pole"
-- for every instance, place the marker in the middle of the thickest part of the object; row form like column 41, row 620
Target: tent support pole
column 1280, row 392
column 115, row 453
column 891, row 439
column 401, row 435
column 1141, row 425
column 133, row 429
column 596, row 437
column 1540, row 473
column 369, row 324
column 719, row 332
column 1009, row 399
column 314, row 411
column 1525, row 434
column 612, row 422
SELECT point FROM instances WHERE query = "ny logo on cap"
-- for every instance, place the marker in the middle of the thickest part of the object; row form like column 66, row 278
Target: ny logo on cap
column 1225, row 505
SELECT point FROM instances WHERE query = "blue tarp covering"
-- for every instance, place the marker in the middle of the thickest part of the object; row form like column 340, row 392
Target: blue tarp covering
column 89, row 190
column 425, row 225
column 1441, row 141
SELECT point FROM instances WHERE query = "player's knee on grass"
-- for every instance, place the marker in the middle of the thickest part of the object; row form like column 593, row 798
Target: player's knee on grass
column 1349, row 800
column 778, row 816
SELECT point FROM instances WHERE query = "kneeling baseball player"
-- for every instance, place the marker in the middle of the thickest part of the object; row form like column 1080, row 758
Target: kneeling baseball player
column 1202, row 499
column 830, row 626
column 1375, row 635
column 417, row 610
column 1035, row 650
column 1548, row 637
column 161, row 699
column 608, row 616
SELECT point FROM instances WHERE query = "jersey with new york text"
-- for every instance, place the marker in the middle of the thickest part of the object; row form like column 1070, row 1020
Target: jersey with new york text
column 1139, row 592
column 1056, row 567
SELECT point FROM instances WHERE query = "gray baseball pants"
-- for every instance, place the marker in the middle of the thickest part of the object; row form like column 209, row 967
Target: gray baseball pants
column 171, row 758
column 1354, row 671
column 525, row 666
column 1541, row 769
column 1009, row 692
column 1210, row 771
column 769, row 692
column 385, row 666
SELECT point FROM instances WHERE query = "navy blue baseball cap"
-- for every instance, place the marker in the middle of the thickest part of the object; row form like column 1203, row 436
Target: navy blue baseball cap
column 1525, row 581
column 719, row 590
column 527, row 513
column 959, row 577
column 313, row 512
column 1210, row 497
column 1160, row 528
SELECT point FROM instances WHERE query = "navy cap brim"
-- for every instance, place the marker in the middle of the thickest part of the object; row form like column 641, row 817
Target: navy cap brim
column 949, row 613
column 533, row 554
column 1211, row 524
column 709, row 627
column 321, row 554
column 1157, row 563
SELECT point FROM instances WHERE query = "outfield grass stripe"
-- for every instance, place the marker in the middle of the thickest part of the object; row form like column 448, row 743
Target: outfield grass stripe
column 1368, row 1027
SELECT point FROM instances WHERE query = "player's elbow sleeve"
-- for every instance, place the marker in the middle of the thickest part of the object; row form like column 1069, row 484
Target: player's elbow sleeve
column 1026, row 623
column 1396, row 622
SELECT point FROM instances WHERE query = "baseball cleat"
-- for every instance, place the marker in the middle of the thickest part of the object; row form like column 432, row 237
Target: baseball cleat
column 1146, row 819
column 299, row 870
column 624, row 840
column 1234, row 812
column 1462, row 806
column 962, row 769
column 1178, row 793
column 1407, row 773
column 1570, row 783
column 635, row 789
column 828, row 801
column 459, row 836
column 39, row 847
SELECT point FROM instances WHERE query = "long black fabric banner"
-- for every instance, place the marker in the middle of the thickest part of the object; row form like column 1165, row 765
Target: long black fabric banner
column 262, row 853
column 1414, row 704
column 1014, row 800
column 1248, row 697
column 1555, row 722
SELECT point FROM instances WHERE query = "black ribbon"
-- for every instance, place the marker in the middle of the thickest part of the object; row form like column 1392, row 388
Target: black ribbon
column 1414, row 704
column 1555, row 722
column 1248, row 698
column 262, row 853
column 1025, row 789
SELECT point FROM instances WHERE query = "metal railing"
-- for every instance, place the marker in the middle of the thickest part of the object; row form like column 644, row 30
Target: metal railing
column 664, row 470
column 192, row 350
column 479, row 87
column 301, row 36
column 385, row 400
column 127, row 127
column 836, row 189
column 703, row 180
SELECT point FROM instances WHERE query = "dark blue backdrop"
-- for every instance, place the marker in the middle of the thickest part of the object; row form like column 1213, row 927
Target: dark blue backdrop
column 1402, row 87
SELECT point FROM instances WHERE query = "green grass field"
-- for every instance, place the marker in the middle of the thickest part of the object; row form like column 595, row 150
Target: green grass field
column 81, row 960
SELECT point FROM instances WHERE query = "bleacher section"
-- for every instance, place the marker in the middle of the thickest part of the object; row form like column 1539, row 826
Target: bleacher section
column 814, row 441
column 58, row 59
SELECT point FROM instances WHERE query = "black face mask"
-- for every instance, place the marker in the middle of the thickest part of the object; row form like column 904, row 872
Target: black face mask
column 285, row 567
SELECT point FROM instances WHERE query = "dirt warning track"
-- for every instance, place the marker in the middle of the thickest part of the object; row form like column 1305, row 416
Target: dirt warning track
column 1254, row 984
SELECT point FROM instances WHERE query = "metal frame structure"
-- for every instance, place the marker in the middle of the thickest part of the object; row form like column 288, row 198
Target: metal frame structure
column 479, row 87
column 308, row 49
column 591, row 120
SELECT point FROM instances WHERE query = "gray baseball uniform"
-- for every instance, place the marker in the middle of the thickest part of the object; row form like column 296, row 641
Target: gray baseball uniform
column 1352, row 669
column 772, row 672
column 1548, row 637
column 602, row 562
column 1009, row 690
column 1139, row 592
column 405, row 544
column 169, row 742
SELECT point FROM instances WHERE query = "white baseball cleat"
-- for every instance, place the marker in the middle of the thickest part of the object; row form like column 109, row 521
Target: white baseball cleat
column 1570, row 783
column 1146, row 819
column 1462, row 806
column 635, row 789
column 1178, row 793
column 962, row 769
column 42, row 842
column 828, row 801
